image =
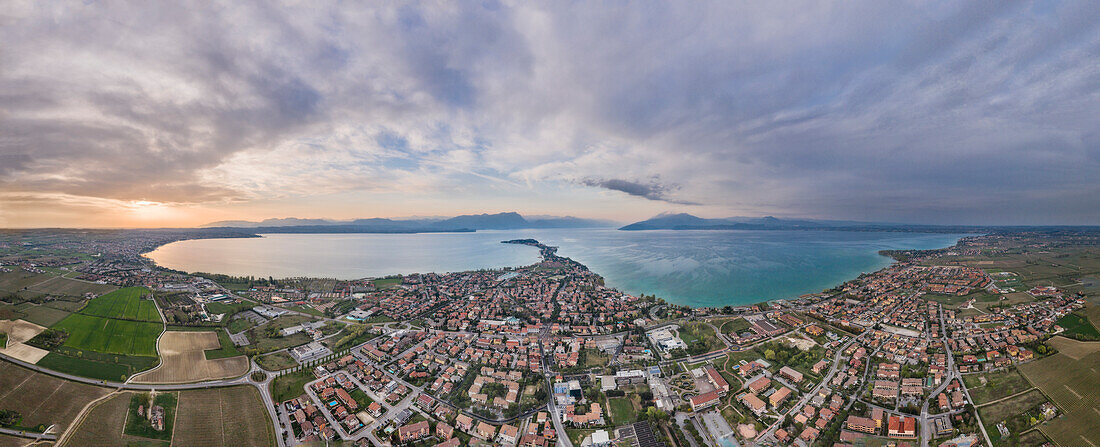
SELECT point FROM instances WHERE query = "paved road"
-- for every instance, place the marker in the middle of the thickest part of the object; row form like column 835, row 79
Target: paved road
column 28, row 434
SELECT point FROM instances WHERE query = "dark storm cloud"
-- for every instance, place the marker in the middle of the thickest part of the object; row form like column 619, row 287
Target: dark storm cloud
column 652, row 190
column 944, row 112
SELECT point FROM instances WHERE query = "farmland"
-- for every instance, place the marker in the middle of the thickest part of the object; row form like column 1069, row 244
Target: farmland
column 183, row 360
column 109, row 335
column 224, row 416
column 42, row 315
column 29, row 285
column 1070, row 379
column 19, row 331
column 103, row 426
column 1006, row 410
column 1078, row 327
column 123, row 304
column 43, row 399
column 997, row 385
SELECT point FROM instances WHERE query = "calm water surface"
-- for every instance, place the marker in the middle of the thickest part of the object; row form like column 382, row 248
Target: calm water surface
column 697, row 268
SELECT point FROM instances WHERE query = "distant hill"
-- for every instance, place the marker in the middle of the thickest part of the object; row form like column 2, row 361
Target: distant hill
column 469, row 222
column 684, row 221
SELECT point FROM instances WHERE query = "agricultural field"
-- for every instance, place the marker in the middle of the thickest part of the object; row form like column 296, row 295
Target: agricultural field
column 183, row 360
column 43, row 399
column 124, row 304
column 42, row 315
column 997, row 385
column 102, row 426
column 1078, row 327
column 1008, row 409
column 18, row 332
column 109, row 335
column 1070, row 379
column 32, row 284
column 223, row 416
column 276, row 361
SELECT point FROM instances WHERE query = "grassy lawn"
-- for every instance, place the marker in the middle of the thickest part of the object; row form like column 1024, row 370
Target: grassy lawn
column 237, row 325
column 227, row 350
column 138, row 425
column 289, row 386
column 734, row 326
column 998, row 385
column 387, row 283
column 622, row 410
column 577, row 435
column 276, row 361
column 699, row 333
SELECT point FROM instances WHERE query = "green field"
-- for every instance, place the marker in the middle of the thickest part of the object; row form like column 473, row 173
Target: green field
column 1078, row 327
column 622, row 410
column 289, row 386
column 84, row 367
column 386, row 283
column 734, row 326
column 276, row 361
column 998, row 385
column 137, row 425
column 109, row 335
column 228, row 349
column 1008, row 410
column 41, row 314
column 125, row 304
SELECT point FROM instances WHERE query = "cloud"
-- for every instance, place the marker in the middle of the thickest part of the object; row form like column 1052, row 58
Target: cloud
column 937, row 112
column 652, row 191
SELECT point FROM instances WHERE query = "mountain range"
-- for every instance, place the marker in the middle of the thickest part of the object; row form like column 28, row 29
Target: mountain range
column 468, row 222
column 683, row 221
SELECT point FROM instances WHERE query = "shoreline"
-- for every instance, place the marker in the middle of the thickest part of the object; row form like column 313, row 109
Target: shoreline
column 892, row 255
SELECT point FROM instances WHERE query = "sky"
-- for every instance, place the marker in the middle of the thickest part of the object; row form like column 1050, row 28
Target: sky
column 165, row 114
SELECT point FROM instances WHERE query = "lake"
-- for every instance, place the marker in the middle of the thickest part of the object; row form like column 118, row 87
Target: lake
column 696, row 268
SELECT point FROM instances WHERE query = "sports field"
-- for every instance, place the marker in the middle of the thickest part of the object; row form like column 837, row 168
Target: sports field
column 43, row 399
column 1070, row 378
column 183, row 360
column 110, row 335
column 125, row 304
column 223, row 416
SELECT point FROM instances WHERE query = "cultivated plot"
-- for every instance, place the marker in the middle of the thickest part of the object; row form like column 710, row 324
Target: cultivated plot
column 110, row 335
column 43, row 399
column 183, row 359
column 19, row 331
column 102, row 426
column 223, row 416
column 125, row 304
column 1070, row 379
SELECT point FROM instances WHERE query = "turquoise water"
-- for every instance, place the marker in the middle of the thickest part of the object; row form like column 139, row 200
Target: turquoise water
column 696, row 268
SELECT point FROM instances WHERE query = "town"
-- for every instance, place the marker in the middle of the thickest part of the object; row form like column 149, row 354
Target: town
column 949, row 347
